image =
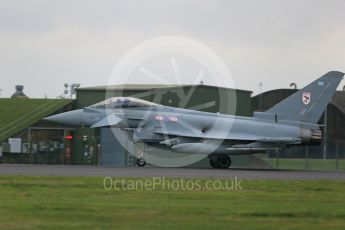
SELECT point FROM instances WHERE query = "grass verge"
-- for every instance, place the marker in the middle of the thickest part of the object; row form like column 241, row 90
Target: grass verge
column 82, row 203
column 302, row 164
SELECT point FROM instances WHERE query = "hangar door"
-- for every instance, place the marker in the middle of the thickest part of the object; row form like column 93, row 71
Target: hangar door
column 112, row 152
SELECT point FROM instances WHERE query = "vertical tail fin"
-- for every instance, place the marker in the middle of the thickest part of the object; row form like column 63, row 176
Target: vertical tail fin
column 309, row 103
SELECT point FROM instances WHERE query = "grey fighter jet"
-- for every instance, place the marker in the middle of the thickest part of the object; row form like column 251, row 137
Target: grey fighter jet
column 291, row 122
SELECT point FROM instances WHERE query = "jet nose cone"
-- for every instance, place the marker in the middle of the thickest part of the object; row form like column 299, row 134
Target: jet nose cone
column 71, row 118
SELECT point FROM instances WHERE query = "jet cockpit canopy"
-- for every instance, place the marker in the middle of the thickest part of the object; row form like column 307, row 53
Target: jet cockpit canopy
column 122, row 102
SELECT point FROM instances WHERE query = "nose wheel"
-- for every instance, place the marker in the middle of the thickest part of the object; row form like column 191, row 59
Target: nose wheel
column 220, row 162
column 141, row 162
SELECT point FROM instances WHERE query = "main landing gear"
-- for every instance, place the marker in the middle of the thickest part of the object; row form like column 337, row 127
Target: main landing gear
column 220, row 161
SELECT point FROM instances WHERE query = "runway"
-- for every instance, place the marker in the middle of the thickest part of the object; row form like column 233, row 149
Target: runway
column 90, row 170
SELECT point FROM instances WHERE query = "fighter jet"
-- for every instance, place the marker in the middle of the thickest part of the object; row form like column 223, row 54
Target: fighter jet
column 292, row 122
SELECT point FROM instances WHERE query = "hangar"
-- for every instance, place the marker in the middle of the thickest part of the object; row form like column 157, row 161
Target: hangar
column 99, row 146
column 199, row 97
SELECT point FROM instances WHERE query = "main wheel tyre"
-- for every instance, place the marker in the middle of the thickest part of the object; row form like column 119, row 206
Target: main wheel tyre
column 141, row 162
column 213, row 164
column 223, row 162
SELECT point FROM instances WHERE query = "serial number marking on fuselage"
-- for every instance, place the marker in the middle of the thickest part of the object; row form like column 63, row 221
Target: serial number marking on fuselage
column 165, row 118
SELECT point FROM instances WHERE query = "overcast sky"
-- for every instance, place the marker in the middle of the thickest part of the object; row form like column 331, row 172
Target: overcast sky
column 44, row 44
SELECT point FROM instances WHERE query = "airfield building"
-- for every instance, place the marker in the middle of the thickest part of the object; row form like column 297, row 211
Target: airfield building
column 199, row 97
column 99, row 146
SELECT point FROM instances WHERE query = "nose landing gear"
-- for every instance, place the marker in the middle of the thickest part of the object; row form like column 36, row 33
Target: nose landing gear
column 141, row 160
